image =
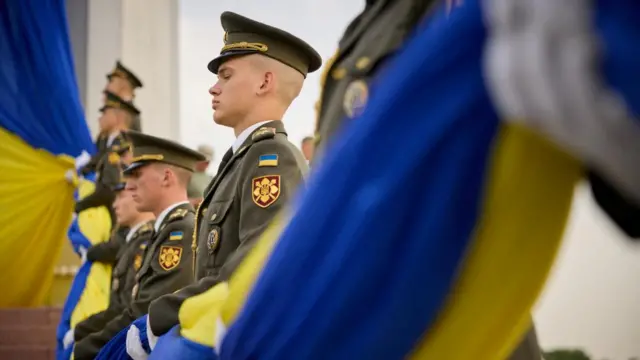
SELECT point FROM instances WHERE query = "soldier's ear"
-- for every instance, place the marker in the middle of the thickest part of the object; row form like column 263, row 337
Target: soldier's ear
column 267, row 83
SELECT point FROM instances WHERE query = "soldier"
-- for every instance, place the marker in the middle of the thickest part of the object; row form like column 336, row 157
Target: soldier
column 260, row 71
column 123, row 82
column 115, row 120
column 157, row 179
column 139, row 227
column 112, row 124
column 200, row 179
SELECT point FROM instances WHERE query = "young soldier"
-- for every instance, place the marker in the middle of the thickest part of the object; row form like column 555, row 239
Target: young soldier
column 157, row 179
column 116, row 118
column 139, row 227
column 112, row 124
column 260, row 71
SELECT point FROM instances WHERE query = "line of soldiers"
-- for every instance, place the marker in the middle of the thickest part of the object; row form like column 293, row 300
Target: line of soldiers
column 187, row 251
column 260, row 71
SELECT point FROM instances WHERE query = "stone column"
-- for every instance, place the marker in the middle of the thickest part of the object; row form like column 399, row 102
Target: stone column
column 143, row 35
column 104, row 46
column 149, row 47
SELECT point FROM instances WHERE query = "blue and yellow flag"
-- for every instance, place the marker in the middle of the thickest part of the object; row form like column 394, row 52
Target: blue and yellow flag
column 90, row 288
column 42, row 128
column 436, row 238
column 41, row 131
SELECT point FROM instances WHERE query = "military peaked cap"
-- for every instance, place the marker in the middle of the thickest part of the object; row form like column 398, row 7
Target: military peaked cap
column 244, row 36
column 114, row 101
column 148, row 149
column 121, row 71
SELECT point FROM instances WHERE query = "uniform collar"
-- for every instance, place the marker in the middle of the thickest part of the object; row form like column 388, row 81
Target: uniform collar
column 245, row 134
column 164, row 214
column 132, row 231
column 112, row 137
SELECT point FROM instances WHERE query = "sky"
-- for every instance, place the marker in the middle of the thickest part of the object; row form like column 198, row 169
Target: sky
column 592, row 299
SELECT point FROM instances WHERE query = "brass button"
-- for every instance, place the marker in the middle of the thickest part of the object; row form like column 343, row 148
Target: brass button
column 363, row 62
column 339, row 73
column 214, row 216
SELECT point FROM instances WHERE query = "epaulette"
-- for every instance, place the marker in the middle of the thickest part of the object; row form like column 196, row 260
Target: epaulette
column 121, row 148
column 178, row 214
column 145, row 228
column 263, row 134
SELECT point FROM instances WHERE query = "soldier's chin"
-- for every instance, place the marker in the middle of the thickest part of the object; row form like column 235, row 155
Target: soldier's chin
column 219, row 118
column 141, row 207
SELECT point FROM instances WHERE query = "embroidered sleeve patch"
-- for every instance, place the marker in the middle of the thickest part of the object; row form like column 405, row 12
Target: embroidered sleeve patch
column 169, row 257
column 175, row 235
column 268, row 160
column 266, row 190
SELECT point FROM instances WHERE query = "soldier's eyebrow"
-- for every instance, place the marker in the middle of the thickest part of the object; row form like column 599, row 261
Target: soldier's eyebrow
column 224, row 70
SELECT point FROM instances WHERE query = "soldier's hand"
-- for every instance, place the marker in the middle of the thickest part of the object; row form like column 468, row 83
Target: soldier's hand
column 67, row 340
column 134, row 345
column 82, row 160
column 83, row 254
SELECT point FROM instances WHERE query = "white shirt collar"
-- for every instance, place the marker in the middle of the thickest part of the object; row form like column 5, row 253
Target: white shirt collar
column 133, row 230
column 245, row 134
column 164, row 213
column 112, row 137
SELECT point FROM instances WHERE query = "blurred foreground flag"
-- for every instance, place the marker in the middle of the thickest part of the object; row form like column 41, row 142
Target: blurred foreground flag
column 439, row 232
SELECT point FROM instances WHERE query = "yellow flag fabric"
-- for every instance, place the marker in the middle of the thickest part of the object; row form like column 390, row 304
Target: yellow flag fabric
column 95, row 225
column 509, row 261
column 36, row 203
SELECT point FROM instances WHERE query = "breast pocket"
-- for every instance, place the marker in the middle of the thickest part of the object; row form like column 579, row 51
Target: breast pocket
column 217, row 213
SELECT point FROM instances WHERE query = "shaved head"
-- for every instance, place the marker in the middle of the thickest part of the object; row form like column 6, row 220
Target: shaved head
column 180, row 175
column 288, row 80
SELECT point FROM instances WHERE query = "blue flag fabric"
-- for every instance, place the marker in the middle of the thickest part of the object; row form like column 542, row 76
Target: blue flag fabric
column 391, row 235
column 39, row 101
column 173, row 346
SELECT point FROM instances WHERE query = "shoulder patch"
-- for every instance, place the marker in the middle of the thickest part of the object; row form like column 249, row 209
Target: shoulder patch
column 169, row 257
column 268, row 160
column 266, row 190
column 263, row 133
column 178, row 214
column 175, row 235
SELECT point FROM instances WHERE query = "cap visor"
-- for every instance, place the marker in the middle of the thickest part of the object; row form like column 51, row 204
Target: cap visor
column 134, row 166
column 118, row 187
column 215, row 63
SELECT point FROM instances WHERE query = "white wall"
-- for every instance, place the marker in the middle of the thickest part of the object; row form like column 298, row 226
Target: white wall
column 104, row 44
column 593, row 298
column 144, row 35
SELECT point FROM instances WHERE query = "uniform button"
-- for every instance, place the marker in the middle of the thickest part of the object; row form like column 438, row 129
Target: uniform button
column 363, row 62
column 339, row 73
column 214, row 216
